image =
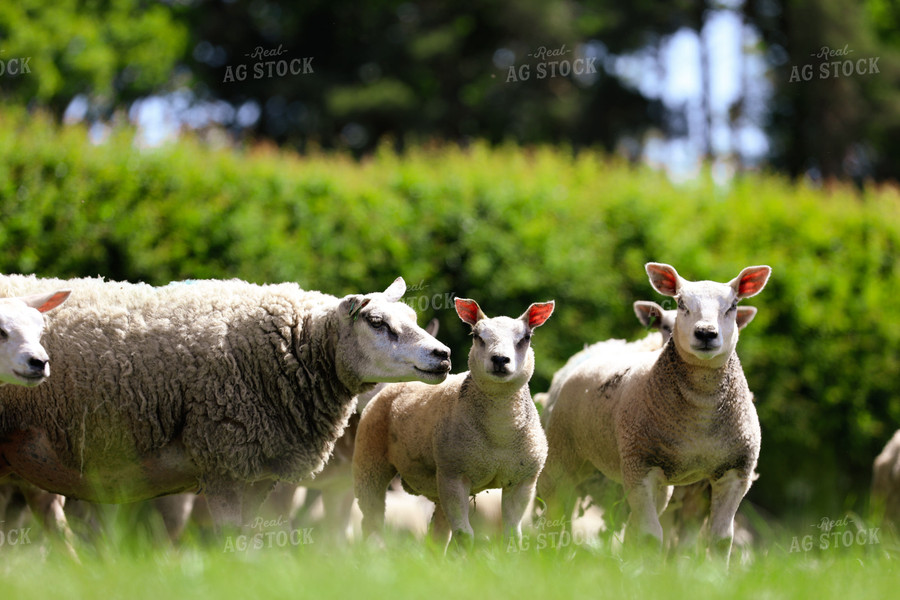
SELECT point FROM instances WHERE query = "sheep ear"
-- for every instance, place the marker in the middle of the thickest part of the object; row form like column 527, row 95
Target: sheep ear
column 745, row 314
column 354, row 305
column 538, row 313
column 469, row 311
column 751, row 281
column 396, row 290
column 664, row 278
column 45, row 302
column 650, row 314
column 432, row 327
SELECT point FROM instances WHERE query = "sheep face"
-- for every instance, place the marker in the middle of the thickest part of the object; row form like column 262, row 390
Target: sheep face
column 23, row 361
column 381, row 342
column 707, row 320
column 501, row 351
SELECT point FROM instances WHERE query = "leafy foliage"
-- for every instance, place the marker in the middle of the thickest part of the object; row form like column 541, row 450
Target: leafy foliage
column 113, row 52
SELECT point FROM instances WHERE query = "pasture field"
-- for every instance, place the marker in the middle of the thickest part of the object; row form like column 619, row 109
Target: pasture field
column 125, row 569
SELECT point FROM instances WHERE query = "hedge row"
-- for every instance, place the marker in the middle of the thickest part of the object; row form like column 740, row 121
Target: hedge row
column 507, row 226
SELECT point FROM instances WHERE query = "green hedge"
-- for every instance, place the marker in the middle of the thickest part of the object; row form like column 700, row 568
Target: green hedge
column 506, row 226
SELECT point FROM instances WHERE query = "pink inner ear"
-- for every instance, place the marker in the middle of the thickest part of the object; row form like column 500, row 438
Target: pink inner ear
column 663, row 279
column 467, row 310
column 752, row 282
column 539, row 313
column 646, row 311
column 54, row 301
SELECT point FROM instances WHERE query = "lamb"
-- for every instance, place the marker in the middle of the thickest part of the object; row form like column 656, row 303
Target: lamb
column 219, row 386
column 478, row 430
column 886, row 483
column 653, row 420
column 23, row 361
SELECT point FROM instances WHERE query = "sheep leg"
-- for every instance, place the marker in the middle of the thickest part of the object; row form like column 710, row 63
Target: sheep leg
column 224, row 501
column 338, row 503
column 644, row 500
column 454, row 495
column 49, row 509
column 557, row 491
column 440, row 527
column 175, row 511
column 252, row 498
column 727, row 493
column 371, row 478
column 13, row 508
column 514, row 503
column 689, row 520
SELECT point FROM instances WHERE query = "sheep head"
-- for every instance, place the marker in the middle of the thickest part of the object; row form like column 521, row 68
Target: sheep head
column 501, row 351
column 381, row 342
column 708, row 320
column 23, row 360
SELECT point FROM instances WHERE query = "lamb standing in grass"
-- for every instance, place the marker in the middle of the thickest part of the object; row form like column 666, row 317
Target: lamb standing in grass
column 24, row 361
column 652, row 420
column 222, row 386
column 476, row 431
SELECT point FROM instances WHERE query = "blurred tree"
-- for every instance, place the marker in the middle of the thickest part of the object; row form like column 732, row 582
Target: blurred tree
column 110, row 51
column 429, row 69
column 825, row 121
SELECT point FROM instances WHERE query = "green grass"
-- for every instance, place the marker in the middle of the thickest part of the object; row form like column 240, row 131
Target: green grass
column 124, row 568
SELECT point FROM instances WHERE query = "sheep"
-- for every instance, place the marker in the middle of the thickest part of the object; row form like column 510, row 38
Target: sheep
column 477, row 430
column 886, row 483
column 334, row 484
column 219, row 386
column 23, row 361
column 653, row 420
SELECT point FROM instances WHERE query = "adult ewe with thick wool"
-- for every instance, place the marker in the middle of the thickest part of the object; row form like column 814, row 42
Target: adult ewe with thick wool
column 478, row 430
column 652, row 420
column 219, row 386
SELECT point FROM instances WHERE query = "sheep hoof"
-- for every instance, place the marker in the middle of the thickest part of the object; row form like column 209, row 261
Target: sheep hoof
column 462, row 541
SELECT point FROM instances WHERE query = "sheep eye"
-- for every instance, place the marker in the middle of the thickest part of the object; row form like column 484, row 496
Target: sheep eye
column 375, row 322
column 733, row 306
column 525, row 339
column 477, row 338
column 682, row 306
column 3, row 334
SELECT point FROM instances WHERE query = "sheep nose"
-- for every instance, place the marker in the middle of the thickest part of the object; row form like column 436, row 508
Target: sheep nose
column 441, row 353
column 500, row 361
column 36, row 364
column 706, row 334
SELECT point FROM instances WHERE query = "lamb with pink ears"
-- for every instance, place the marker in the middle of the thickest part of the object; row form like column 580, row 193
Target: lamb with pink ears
column 653, row 420
column 478, row 430
column 23, row 361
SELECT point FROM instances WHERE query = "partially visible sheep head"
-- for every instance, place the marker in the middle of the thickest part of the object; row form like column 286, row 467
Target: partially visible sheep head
column 653, row 316
column 23, row 361
column 381, row 342
column 707, row 322
column 501, row 351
